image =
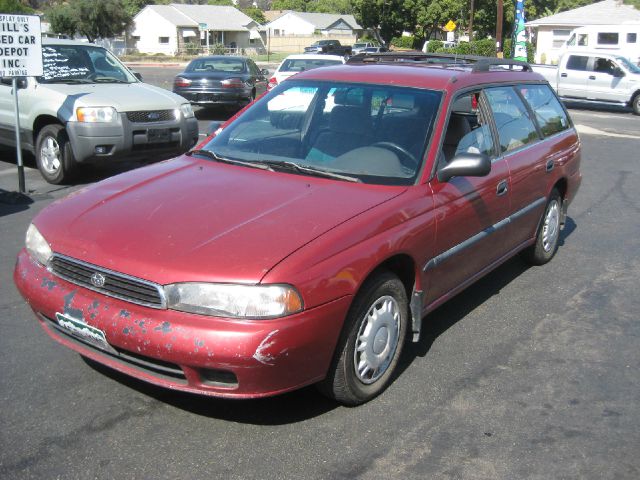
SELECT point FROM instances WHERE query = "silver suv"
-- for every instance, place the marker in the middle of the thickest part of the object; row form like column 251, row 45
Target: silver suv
column 88, row 107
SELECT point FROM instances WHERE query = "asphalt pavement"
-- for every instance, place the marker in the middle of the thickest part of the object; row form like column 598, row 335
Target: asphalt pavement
column 531, row 373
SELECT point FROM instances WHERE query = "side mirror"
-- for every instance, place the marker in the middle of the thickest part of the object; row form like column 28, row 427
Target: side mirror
column 465, row 165
column 264, row 71
column 138, row 75
column 213, row 126
column 22, row 82
column 617, row 72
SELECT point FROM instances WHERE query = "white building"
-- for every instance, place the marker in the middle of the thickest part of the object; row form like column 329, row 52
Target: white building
column 178, row 28
column 551, row 32
column 303, row 23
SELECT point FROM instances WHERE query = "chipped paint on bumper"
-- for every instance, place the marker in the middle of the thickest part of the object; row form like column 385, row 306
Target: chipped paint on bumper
column 267, row 357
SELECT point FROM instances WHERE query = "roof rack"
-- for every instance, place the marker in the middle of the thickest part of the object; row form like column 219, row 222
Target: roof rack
column 477, row 63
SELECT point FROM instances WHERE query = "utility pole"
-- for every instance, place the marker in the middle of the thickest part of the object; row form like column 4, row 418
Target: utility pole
column 499, row 29
column 471, row 21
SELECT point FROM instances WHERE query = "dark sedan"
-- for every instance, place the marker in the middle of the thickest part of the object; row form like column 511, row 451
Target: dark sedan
column 221, row 80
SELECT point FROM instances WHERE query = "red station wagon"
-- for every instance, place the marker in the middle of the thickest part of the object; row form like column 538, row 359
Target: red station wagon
column 306, row 241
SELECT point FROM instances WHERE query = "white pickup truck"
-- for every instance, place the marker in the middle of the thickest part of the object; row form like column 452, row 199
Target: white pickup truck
column 596, row 77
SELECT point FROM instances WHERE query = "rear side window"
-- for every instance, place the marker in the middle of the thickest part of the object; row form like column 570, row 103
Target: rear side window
column 515, row 127
column 632, row 37
column 607, row 38
column 549, row 113
column 577, row 62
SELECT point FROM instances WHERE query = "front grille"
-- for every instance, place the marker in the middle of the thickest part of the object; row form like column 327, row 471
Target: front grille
column 108, row 282
column 147, row 116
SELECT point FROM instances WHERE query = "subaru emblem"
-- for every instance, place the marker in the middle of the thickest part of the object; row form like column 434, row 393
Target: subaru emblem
column 97, row 279
column 153, row 116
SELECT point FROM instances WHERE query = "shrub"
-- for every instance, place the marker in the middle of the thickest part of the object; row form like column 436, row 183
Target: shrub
column 434, row 45
column 402, row 42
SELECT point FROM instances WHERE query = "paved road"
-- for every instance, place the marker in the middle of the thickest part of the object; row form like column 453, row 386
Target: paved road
column 530, row 373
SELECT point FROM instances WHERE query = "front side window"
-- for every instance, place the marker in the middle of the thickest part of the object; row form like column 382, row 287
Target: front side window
column 515, row 127
column 607, row 38
column 370, row 133
column 604, row 65
column 82, row 64
column 549, row 113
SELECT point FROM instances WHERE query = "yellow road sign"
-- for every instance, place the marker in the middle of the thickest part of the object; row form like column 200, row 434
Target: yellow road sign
column 450, row 26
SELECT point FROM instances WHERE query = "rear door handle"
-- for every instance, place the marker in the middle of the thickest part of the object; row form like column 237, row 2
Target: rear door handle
column 549, row 165
column 502, row 188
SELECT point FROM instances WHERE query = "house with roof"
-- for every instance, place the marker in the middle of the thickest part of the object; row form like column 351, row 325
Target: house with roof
column 553, row 31
column 291, row 31
column 182, row 28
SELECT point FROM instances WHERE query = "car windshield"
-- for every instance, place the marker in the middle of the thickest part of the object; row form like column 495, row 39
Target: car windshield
column 302, row 64
column 370, row 133
column 221, row 64
column 82, row 64
column 359, row 45
column 630, row 66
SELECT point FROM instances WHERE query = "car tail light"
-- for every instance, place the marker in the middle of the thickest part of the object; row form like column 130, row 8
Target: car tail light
column 273, row 81
column 181, row 82
column 232, row 83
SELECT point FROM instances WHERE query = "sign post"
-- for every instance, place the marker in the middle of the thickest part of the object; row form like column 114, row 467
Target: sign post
column 20, row 56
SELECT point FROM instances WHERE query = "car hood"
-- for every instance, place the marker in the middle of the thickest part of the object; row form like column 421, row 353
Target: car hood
column 123, row 97
column 195, row 220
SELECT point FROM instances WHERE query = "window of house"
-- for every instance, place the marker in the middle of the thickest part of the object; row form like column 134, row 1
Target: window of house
column 577, row 62
column 163, row 40
column 632, row 37
column 550, row 115
column 276, row 32
column 515, row 128
column 607, row 38
column 560, row 36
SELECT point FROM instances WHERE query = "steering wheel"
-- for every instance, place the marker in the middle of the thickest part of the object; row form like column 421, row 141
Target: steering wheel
column 394, row 147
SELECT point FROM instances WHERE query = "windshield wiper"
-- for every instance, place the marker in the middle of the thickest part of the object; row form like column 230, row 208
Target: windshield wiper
column 309, row 170
column 109, row 80
column 214, row 156
column 69, row 80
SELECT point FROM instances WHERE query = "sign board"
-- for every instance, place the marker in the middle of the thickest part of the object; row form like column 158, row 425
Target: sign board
column 20, row 46
column 202, row 26
column 450, row 26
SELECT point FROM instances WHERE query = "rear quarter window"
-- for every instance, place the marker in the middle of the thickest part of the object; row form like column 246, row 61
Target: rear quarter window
column 549, row 113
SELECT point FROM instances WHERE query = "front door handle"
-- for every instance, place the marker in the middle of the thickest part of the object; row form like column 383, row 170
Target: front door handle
column 549, row 165
column 502, row 188
column 563, row 75
column 592, row 77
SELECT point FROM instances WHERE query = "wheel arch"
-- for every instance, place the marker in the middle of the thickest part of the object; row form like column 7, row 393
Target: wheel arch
column 562, row 185
column 42, row 121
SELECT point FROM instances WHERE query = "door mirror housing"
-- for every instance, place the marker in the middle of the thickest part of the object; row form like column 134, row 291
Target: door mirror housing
column 617, row 72
column 138, row 75
column 22, row 82
column 465, row 165
column 264, row 71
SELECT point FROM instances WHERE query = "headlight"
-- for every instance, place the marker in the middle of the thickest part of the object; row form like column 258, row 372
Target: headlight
column 96, row 114
column 187, row 110
column 37, row 246
column 235, row 301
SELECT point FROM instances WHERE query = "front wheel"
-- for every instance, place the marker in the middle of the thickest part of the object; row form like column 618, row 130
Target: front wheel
column 635, row 104
column 548, row 234
column 53, row 154
column 371, row 342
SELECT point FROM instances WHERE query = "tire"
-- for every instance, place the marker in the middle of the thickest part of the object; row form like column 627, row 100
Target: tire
column 548, row 235
column 380, row 312
column 53, row 154
column 635, row 104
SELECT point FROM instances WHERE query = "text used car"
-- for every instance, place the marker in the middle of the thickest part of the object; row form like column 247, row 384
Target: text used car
column 307, row 240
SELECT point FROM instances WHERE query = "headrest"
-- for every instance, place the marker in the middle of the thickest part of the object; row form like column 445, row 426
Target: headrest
column 348, row 119
column 458, row 127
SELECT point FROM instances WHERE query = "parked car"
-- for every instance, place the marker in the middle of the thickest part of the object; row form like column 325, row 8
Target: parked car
column 299, row 63
column 445, row 44
column 305, row 242
column 595, row 77
column 221, row 80
column 358, row 47
column 332, row 47
column 89, row 108
column 375, row 50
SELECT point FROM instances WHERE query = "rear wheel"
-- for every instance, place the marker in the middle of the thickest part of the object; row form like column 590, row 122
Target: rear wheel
column 53, row 154
column 548, row 234
column 371, row 342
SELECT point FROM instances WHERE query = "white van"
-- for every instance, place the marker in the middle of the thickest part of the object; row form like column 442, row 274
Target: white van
column 623, row 40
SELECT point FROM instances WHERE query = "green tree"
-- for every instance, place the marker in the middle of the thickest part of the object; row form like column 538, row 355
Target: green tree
column 14, row 6
column 295, row 5
column 256, row 14
column 330, row 6
column 386, row 18
column 103, row 19
column 221, row 3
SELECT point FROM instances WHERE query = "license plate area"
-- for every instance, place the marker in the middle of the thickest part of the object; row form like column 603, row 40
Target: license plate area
column 83, row 332
column 159, row 135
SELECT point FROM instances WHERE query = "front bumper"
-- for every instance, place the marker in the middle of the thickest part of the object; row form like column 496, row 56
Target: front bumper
column 193, row 353
column 127, row 140
column 215, row 96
